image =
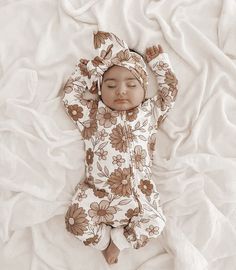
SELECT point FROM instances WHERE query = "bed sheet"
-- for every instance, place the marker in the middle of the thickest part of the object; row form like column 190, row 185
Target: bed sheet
column 41, row 151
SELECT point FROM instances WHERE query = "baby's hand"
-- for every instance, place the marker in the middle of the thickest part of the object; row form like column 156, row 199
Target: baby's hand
column 153, row 52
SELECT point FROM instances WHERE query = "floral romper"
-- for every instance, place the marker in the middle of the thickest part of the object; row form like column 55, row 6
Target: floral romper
column 118, row 198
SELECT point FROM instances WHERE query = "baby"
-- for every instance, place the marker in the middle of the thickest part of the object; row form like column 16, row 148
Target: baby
column 117, row 205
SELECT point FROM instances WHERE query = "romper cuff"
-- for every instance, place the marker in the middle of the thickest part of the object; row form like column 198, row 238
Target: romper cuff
column 105, row 240
column 118, row 238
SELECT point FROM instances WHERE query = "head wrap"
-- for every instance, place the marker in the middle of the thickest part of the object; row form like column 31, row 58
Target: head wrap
column 114, row 51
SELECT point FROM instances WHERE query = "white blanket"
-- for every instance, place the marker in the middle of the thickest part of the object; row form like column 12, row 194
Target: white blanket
column 41, row 151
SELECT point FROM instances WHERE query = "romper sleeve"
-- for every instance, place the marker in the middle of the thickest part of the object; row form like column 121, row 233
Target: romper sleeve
column 82, row 80
column 164, row 100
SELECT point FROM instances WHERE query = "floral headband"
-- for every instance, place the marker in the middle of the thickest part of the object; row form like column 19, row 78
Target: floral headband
column 114, row 51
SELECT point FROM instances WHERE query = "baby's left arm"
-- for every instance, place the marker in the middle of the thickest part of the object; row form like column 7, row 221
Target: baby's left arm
column 167, row 82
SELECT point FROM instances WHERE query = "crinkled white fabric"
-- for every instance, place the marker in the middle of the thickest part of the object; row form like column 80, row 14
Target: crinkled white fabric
column 41, row 157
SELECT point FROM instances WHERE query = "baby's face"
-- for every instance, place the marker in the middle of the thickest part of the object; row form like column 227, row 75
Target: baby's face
column 120, row 89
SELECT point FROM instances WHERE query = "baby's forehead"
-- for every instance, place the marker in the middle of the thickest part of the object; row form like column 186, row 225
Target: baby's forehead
column 118, row 72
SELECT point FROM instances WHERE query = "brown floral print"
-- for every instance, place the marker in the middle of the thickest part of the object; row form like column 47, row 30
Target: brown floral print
column 100, row 193
column 151, row 145
column 101, row 135
column 170, row 78
column 118, row 160
column 132, row 212
column 101, row 212
column 121, row 56
column 141, row 242
column 152, row 230
column 139, row 157
column 131, row 115
column 90, row 127
column 75, row 219
column 119, row 182
column 91, row 240
column 164, row 100
column 120, row 137
column 146, row 187
column 102, row 154
column 75, row 112
column 89, row 156
column 106, row 117
column 83, row 68
column 69, row 86
column 100, row 37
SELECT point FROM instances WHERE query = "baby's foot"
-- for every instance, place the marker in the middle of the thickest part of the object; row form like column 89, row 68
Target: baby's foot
column 111, row 253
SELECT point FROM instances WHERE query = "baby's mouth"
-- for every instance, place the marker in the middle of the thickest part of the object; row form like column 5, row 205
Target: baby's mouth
column 121, row 100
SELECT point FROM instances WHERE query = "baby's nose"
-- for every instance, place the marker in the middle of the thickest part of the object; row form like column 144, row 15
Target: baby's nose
column 121, row 90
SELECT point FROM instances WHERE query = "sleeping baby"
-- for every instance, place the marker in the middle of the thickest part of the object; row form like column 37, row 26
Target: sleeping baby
column 117, row 205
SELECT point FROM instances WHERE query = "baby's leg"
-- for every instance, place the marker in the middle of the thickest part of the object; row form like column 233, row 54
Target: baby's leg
column 80, row 224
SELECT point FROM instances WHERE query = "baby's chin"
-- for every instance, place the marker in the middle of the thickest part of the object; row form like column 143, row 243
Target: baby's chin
column 122, row 107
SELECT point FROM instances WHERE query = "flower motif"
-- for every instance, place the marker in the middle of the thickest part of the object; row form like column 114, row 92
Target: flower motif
column 75, row 112
column 100, row 193
column 151, row 145
column 121, row 57
column 106, row 117
column 120, row 137
column 163, row 100
column 152, row 230
column 120, row 182
column 101, row 212
column 146, row 187
column 102, row 154
column 75, row 220
column 83, row 68
column 92, row 240
column 170, row 78
column 139, row 157
column 81, row 195
column 162, row 66
column 118, row 160
column 100, row 38
column 69, row 85
column 132, row 212
column 141, row 242
column 101, row 135
column 90, row 127
column 131, row 115
column 89, row 156
column 93, row 106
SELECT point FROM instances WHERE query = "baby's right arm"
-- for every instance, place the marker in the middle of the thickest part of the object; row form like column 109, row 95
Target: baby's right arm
column 78, row 108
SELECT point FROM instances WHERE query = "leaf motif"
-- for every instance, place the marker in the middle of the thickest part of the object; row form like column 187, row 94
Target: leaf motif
column 145, row 123
column 146, row 207
column 142, row 130
column 154, row 204
column 137, row 125
column 98, row 181
column 121, row 42
column 102, row 145
column 99, row 167
column 148, row 198
column 100, row 174
column 106, row 171
column 124, row 202
column 109, row 197
column 141, row 137
column 144, row 220
column 153, row 216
